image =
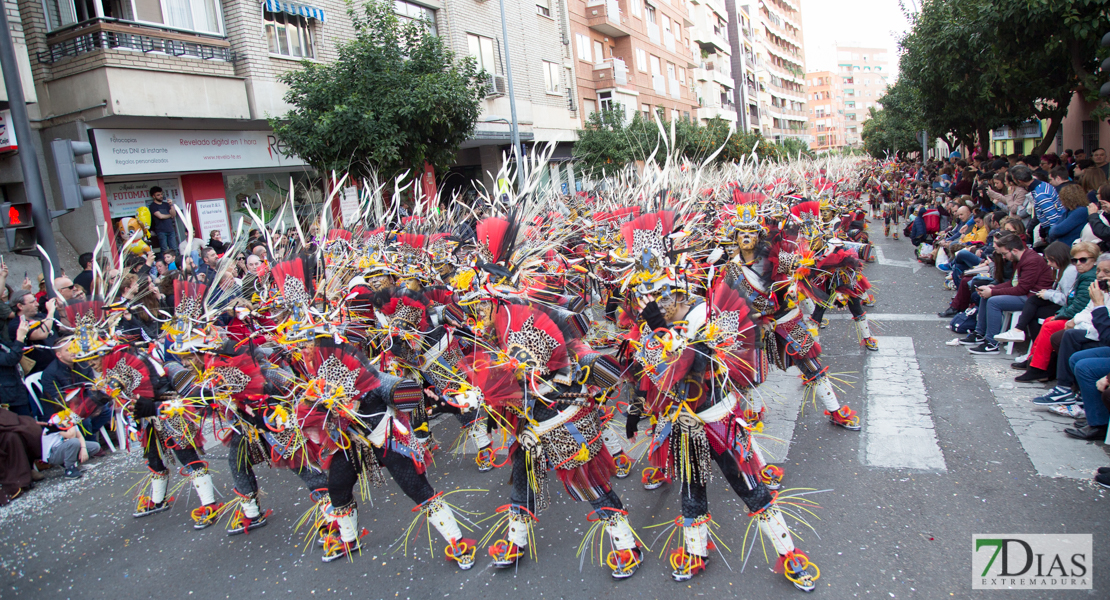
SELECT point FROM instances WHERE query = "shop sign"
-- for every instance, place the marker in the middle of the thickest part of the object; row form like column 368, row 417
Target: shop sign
column 7, row 132
column 124, row 198
column 348, row 206
column 212, row 214
column 138, row 151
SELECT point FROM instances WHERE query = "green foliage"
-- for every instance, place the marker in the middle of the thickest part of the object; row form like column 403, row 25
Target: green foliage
column 974, row 65
column 395, row 98
column 610, row 140
column 893, row 130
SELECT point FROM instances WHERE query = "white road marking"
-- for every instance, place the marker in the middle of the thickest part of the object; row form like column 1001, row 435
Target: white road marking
column 883, row 260
column 890, row 317
column 782, row 393
column 1040, row 432
column 899, row 429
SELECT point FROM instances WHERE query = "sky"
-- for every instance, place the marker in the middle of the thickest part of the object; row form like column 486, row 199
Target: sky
column 867, row 23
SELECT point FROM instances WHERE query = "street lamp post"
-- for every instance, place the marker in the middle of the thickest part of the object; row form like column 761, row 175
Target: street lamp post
column 514, row 130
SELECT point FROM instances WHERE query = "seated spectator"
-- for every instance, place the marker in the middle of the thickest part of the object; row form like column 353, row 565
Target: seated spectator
column 1031, row 274
column 1090, row 181
column 1098, row 219
column 1074, row 200
column 1090, row 366
column 1038, row 365
column 170, row 258
column 20, row 446
column 1068, row 265
column 63, row 376
column 998, row 271
column 215, row 242
column 64, row 445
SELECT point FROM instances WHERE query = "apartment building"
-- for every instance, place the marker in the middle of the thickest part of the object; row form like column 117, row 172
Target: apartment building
column 713, row 80
column 742, row 40
column 779, row 68
column 638, row 54
column 177, row 93
column 826, row 111
column 864, row 77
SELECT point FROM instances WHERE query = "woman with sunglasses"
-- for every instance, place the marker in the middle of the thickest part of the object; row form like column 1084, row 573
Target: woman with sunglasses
column 1083, row 257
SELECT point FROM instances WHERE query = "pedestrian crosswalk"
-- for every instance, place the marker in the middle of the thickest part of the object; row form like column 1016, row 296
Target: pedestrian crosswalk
column 899, row 429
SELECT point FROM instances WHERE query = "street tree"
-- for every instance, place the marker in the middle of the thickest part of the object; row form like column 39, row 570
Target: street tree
column 395, row 98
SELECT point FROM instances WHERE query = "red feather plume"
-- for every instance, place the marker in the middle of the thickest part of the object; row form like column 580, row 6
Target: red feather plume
column 247, row 366
column 290, row 268
column 186, row 289
column 498, row 383
column 648, row 222
column 735, row 348
column 496, row 235
column 812, row 207
column 93, row 307
column 511, row 319
column 144, row 389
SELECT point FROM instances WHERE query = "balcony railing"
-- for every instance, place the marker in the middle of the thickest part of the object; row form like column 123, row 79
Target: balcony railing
column 605, row 16
column 111, row 34
column 612, row 69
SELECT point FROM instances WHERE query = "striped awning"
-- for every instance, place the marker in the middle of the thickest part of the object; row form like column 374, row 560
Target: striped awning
column 308, row 12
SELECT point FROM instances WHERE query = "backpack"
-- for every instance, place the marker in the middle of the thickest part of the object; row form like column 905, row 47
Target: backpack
column 963, row 322
column 932, row 221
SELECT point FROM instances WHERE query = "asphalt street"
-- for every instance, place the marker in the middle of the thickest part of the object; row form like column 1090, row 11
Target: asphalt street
column 900, row 500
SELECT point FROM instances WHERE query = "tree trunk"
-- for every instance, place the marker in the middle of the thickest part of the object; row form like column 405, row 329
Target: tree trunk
column 984, row 134
column 1049, row 135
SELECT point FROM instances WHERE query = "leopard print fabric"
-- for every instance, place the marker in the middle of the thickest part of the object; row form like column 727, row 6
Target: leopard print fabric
column 532, row 345
column 788, row 262
column 801, row 337
column 294, row 292
column 560, row 447
column 335, row 375
column 234, row 380
column 189, row 308
column 643, row 239
column 124, row 377
column 727, row 326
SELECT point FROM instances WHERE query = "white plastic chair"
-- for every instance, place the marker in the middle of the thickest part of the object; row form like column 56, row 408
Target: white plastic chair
column 33, row 383
column 1009, row 318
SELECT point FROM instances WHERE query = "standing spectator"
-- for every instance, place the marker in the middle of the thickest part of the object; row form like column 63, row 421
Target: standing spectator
column 1091, row 180
column 12, row 391
column 215, row 243
column 40, row 325
column 162, row 216
column 1031, row 274
column 1099, row 156
column 67, row 292
column 85, row 277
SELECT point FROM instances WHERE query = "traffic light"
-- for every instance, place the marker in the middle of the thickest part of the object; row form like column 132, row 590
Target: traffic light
column 71, row 172
column 1104, row 91
column 19, row 226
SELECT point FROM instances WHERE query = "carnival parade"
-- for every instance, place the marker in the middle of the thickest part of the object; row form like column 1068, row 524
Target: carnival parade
column 583, row 344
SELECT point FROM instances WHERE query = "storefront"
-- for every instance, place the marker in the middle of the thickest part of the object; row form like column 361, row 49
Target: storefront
column 210, row 175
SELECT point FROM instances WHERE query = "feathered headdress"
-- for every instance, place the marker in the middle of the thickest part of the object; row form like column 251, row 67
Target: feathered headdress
column 530, row 339
column 126, row 377
column 90, row 330
column 237, row 376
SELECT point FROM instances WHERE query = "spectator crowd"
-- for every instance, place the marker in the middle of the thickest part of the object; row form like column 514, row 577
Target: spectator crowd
column 1024, row 242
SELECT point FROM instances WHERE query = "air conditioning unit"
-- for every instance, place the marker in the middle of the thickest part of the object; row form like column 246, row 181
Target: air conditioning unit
column 496, row 85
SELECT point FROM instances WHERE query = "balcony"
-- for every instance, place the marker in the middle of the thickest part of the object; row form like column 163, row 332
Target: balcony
column 718, row 7
column 652, row 31
column 659, row 84
column 668, row 40
column 709, row 40
column 675, row 88
column 606, row 18
column 716, row 70
column 712, row 109
column 611, row 72
column 86, row 60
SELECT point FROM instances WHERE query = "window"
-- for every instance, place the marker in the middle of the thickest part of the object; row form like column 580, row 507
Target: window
column 634, row 6
column 641, row 60
column 193, row 15
column 482, row 49
column 589, row 106
column 605, row 100
column 407, row 11
column 543, row 7
column 646, row 109
column 551, row 77
column 650, row 10
column 583, row 46
column 288, row 35
column 599, row 51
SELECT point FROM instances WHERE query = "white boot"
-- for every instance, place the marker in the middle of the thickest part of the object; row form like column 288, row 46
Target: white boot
column 506, row 552
column 696, row 538
column 460, row 550
column 202, row 483
column 348, row 526
column 773, row 527
column 250, row 507
column 611, row 441
column 863, row 327
column 158, row 485
column 348, row 542
column 626, row 555
column 690, row 559
column 823, row 389
column 208, row 512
